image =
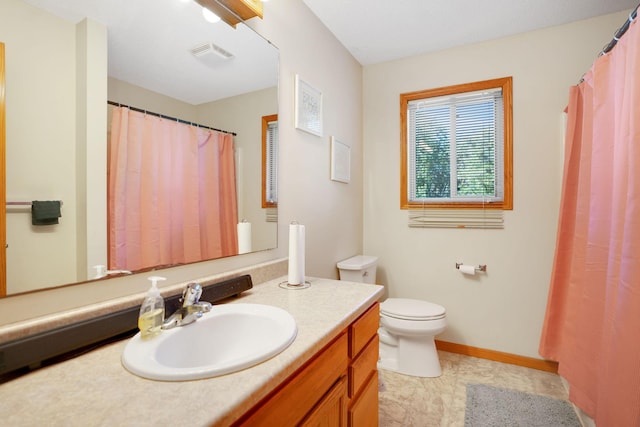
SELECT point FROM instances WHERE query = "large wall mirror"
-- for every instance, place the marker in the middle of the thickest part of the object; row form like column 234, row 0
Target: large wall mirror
column 69, row 63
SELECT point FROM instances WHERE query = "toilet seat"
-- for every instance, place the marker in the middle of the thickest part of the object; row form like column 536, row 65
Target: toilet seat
column 411, row 309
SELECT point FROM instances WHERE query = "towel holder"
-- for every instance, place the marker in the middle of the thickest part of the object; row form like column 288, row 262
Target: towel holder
column 24, row 203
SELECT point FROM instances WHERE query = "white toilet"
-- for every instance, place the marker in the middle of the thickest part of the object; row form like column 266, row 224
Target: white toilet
column 407, row 326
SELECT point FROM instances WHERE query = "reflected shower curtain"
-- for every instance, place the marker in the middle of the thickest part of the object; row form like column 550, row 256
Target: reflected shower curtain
column 172, row 193
column 592, row 323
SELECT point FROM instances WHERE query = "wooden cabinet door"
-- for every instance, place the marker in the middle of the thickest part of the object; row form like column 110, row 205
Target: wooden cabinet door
column 301, row 393
column 331, row 411
column 364, row 412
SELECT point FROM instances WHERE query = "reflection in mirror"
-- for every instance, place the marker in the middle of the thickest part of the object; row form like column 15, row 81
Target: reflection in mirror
column 64, row 60
column 171, row 191
column 270, row 161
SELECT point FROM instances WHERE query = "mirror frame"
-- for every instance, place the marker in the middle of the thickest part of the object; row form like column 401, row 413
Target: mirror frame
column 3, row 193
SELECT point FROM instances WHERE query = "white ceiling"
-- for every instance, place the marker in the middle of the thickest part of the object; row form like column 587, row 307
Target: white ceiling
column 382, row 30
column 156, row 35
column 149, row 44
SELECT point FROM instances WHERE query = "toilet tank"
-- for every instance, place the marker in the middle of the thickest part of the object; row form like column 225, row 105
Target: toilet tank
column 360, row 268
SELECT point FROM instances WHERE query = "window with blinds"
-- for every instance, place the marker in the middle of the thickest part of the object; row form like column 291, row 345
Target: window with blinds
column 270, row 161
column 456, row 146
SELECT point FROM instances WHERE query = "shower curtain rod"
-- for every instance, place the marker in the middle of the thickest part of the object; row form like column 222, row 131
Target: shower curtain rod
column 618, row 34
column 186, row 122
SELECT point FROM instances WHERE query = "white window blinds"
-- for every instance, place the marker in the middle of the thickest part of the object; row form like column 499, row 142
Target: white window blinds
column 455, row 147
column 272, row 162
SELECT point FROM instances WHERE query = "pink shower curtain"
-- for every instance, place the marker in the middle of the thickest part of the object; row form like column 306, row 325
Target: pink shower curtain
column 172, row 194
column 592, row 323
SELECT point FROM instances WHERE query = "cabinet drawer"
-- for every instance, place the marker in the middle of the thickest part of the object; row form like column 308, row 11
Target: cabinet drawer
column 364, row 411
column 363, row 366
column 363, row 329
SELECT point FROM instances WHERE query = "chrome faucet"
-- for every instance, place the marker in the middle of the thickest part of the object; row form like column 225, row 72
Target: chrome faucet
column 192, row 308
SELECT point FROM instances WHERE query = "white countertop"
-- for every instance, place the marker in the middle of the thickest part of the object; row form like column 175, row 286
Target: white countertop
column 95, row 390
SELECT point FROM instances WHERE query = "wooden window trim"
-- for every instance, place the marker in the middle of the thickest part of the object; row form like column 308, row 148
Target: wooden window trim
column 506, row 83
column 265, row 125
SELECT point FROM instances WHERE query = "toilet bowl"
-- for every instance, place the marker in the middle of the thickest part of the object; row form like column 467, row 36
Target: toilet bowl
column 407, row 326
column 407, row 336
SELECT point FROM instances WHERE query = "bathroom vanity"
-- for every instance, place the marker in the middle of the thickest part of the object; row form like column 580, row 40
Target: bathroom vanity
column 329, row 371
column 339, row 386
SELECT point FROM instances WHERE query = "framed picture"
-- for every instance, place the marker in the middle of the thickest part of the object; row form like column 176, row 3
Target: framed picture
column 308, row 107
column 340, row 161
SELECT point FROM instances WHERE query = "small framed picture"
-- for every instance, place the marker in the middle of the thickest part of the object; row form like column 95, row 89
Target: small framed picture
column 308, row 108
column 340, row 161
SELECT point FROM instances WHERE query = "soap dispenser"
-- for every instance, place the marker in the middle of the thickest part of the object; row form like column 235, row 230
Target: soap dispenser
column 151, row 311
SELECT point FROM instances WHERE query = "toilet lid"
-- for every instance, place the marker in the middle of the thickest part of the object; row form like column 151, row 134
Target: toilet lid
column 411, row 309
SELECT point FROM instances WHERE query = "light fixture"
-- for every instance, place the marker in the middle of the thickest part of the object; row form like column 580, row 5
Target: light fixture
column 233, row 11
column 210, row 16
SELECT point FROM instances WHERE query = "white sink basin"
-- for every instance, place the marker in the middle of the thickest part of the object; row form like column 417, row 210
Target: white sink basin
column 229, row 338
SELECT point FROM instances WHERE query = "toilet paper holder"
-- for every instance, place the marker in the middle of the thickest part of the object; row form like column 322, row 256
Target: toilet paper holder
column 481, row 267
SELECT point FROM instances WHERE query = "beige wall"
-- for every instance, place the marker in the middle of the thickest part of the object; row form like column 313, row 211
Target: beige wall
column 135, row 96
column 41, row 132
column 503, row 309
column 91, row 148
column 331, row 211
column 55, row 145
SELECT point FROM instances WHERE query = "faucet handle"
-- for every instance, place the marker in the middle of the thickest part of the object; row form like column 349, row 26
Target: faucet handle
column 190, row 318
column 191, row 294
column 204, row 306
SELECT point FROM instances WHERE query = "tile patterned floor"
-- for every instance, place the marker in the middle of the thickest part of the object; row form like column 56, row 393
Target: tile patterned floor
column 440, row 402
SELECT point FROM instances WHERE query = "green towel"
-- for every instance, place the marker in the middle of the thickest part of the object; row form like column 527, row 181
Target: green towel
column 45, row 212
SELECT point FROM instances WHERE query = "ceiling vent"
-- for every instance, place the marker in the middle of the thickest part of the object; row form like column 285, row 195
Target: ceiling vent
column 208, row 48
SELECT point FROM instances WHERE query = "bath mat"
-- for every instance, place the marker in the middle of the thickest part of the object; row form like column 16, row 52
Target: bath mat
column 489, row 406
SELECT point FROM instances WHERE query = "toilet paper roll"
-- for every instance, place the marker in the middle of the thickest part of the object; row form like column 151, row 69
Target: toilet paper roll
column 244, row 237
column 467, row 269
column 296, row 254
